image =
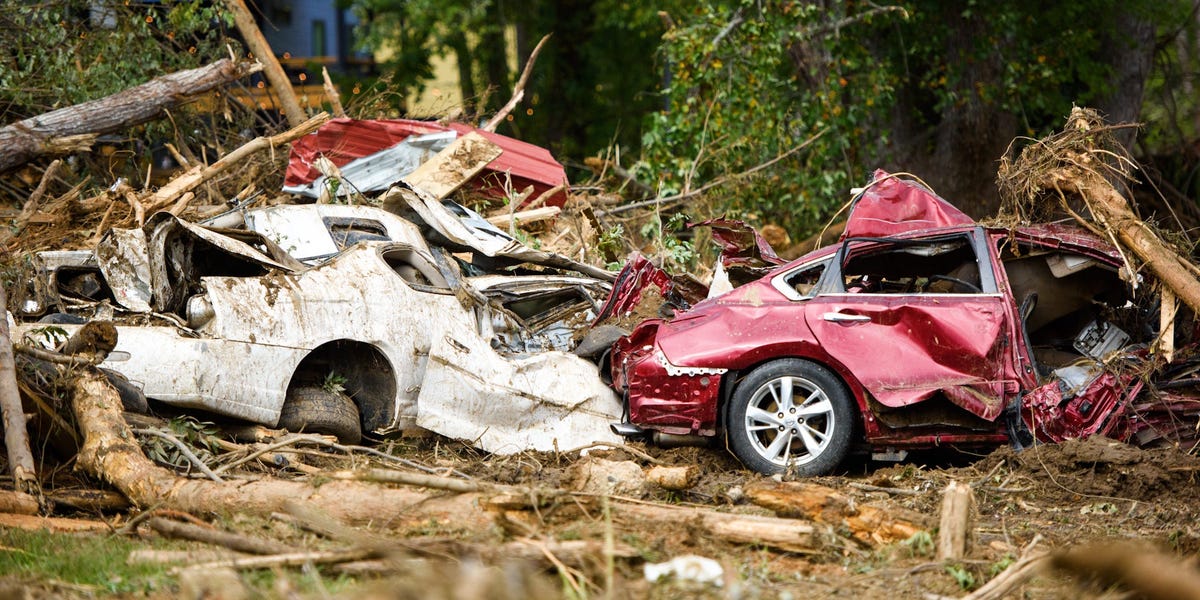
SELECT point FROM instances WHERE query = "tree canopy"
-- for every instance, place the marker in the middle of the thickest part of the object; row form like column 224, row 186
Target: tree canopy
column 693, row 91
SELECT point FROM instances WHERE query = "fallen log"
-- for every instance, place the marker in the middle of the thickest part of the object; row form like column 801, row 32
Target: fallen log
column 785, row 534
column 674, row 478
column 18, row 503
column 25, row 140
column 1083, row 161
column 868, row 524
column 109, row 453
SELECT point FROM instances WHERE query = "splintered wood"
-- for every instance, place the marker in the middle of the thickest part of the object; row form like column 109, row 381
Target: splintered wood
column 867, row 524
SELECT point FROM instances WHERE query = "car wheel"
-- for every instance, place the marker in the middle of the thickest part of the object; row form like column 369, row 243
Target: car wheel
column 790, row 415
column 316, row 410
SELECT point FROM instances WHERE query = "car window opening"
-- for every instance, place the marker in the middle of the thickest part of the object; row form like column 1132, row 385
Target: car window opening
column 415, row 270
column 904, row 267
column 347, row 231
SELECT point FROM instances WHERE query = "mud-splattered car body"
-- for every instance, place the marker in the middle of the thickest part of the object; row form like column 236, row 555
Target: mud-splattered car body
column 235, row 322
column 919, row 328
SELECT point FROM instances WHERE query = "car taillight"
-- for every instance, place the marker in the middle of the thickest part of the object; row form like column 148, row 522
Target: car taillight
column 199, row 311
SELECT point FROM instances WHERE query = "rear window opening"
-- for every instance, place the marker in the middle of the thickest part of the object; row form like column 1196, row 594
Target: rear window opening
column 1072, row 306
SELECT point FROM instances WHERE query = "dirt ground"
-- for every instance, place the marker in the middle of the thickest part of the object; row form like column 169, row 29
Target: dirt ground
column 1050, row 497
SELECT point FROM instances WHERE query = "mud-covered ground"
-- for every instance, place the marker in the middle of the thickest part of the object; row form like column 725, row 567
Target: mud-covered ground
column 1043, row 499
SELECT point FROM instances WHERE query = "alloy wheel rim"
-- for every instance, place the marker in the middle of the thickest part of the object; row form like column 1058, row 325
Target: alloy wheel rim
column 789, row 421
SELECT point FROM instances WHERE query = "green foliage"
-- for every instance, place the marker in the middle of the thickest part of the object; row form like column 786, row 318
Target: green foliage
column 962, row 576
column 919, row 543
column 58, row 53
column 189, row 430
column 751, row 80
column 334, row 383
column 678, row 255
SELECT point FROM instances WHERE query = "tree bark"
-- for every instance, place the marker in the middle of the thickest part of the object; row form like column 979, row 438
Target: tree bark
column 866, row 523
column 16, row 433
column 271, row 67
column 23, row 141
column 109, row 453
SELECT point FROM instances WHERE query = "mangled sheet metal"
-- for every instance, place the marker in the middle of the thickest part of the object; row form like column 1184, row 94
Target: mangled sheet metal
column 461, row 229
column 372, row 154
column 226, row 320
column 547, row 402
column 891, row 206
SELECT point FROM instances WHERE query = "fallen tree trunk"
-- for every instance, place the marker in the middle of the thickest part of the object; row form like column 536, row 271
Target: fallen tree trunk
column 23, row 141
column 109, row 452
column 1113, row 212
column 1085, row 161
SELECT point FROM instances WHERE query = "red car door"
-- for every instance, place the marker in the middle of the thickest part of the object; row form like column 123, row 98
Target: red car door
column 910, row 318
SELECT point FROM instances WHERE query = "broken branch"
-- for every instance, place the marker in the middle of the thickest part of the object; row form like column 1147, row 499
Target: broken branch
column 518, row 90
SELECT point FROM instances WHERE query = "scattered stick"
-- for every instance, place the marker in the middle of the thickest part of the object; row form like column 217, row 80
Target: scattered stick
column 183, row 448
column 866, row 487
column 209, row 535
column 518, row 90
column 31, row 204
column 414, row 479
column 294, row 559
column 335, row 100
column 190, row 180
column 523, row 217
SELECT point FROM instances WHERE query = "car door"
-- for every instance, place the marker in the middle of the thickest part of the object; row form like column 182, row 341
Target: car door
column 913, row 317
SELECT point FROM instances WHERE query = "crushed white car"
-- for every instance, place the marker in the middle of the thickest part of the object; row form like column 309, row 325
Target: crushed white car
column 343, row 319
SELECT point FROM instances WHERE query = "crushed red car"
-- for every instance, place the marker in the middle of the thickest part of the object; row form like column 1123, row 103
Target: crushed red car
column 919, row 328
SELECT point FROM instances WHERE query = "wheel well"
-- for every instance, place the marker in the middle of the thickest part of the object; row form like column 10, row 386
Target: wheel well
column 369, row 378
column 734, row 378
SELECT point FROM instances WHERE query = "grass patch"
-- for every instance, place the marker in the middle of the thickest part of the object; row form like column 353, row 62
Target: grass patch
column 92, row 560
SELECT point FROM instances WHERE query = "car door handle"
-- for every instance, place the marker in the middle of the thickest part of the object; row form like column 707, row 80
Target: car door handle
column 837, row 317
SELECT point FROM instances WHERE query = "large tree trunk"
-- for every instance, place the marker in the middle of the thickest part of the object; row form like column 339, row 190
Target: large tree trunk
column 974, row 131
column 110, row 453
column 23, row 141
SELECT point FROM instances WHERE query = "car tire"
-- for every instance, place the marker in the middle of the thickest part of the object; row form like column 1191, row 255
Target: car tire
column 814, row 433
column 317, row 410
